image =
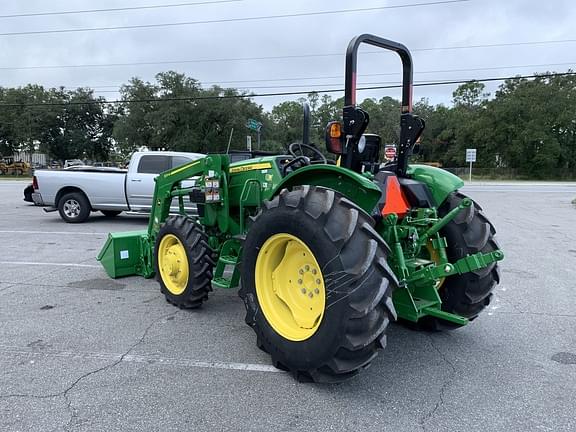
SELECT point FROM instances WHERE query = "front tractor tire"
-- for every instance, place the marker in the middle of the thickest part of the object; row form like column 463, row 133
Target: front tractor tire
column 468, row 294
column 316, row 285
column 183, row 262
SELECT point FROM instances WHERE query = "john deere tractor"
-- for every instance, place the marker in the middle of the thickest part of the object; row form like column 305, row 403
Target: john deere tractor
column 325, row 254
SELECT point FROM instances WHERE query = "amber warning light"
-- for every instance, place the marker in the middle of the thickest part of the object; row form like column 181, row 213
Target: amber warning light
column 334, row 137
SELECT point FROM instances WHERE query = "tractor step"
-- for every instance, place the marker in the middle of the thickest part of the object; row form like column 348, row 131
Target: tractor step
column 222, row 282
column 228, row 259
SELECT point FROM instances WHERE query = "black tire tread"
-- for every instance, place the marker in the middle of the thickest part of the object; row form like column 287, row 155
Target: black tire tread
column 369, row 307
column 469, row 233
column 201, row 261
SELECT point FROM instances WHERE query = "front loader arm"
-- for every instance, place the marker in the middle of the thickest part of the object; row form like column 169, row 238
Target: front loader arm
column 211, row 169
column 132, row 253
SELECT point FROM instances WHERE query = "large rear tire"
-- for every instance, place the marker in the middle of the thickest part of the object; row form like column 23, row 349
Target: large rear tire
column 183, row 262
column 469, row 233
column 316, row 284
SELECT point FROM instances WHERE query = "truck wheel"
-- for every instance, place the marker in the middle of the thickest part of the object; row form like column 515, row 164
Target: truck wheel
column 183, row 262
column 316, row 285
column 74, row 207
column 469, row 233
column 110, row 213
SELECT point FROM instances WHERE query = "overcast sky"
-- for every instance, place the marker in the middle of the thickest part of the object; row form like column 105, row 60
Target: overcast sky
column 475, row 22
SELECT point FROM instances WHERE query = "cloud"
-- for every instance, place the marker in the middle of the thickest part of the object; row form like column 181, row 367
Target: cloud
column 458, row 24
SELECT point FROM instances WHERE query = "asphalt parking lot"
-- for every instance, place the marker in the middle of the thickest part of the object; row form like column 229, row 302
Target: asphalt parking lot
column 81, row 352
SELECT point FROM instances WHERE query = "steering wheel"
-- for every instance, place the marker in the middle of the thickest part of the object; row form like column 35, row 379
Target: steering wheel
column 297, row 150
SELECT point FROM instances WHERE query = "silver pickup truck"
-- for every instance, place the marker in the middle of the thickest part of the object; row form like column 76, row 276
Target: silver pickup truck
column 77, row 191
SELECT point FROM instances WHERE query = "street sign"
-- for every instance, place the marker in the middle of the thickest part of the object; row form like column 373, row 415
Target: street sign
column 390, row 152
column 254, row 125
column 470, row 155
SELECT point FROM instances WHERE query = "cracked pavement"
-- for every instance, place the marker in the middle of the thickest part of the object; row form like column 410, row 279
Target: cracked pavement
column 82, row 352
column 65, row 393
column 440, row 399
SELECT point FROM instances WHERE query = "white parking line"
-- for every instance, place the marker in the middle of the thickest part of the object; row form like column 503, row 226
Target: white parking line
column 131, row 358
column 487, row 189
column 52, row 232
column 30, row 263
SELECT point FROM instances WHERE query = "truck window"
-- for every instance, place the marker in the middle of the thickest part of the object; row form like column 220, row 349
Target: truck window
column 239, row 156
column 179, row 160
column 153, row 164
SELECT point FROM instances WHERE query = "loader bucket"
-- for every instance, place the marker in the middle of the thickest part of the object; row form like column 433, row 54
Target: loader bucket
column 124, row 254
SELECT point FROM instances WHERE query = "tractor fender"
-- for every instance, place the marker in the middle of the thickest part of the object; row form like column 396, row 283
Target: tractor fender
column 357, row 188
column 440, row 182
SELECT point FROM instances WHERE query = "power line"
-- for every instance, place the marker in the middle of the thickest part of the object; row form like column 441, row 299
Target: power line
column 293, row 93
column 166, row 62
column 121, row 9
column 416, row 83
column 390, row 73
column 117, row 86
column 229, row 59
column 227, row 20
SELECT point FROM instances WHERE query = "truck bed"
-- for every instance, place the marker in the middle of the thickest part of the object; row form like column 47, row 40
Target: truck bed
column 105, row 187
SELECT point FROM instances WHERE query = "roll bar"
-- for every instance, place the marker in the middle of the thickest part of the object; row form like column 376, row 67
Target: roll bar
column 351, row 62
column 355, row 120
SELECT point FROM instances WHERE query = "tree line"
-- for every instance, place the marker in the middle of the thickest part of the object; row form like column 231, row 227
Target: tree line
column 528, row 125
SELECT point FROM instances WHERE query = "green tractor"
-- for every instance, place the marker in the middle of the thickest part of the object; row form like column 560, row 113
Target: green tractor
column 325, row 254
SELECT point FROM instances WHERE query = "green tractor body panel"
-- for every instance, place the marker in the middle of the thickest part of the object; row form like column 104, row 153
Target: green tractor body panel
column 352, row 185
column 266, row 172
column 263, row 173
column 440, row 182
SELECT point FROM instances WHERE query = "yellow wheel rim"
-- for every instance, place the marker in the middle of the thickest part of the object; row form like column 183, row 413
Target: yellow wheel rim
column 290, row 287
column 173, row 264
